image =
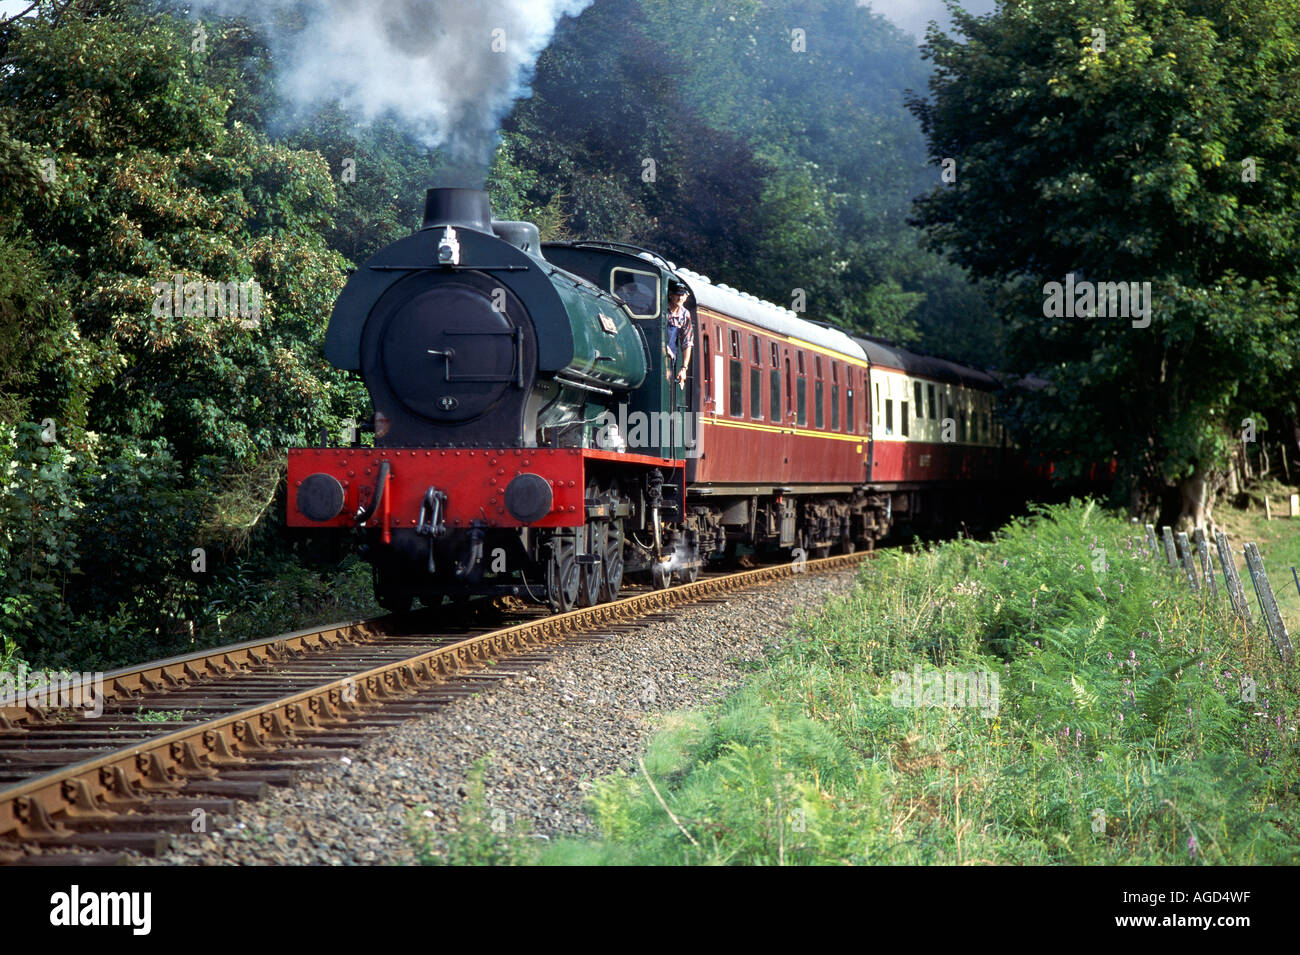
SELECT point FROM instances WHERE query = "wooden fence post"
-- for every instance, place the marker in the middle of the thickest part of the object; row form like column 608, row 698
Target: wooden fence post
column 1168, row 534
column 1207, row 567
column 1267, row 604
column 1185, row 552
column 1236, row 595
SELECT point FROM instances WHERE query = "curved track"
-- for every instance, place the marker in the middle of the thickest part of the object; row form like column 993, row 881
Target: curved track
column 179, row 739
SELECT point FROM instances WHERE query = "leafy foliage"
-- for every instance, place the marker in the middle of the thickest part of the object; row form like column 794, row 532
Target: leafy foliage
column 132, row 173
column 1148, row 141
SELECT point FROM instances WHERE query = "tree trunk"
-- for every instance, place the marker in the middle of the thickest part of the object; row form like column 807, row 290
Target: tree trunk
column 1198, row 492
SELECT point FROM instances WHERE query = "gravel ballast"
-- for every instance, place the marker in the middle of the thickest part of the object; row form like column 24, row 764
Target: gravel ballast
column 546, row 735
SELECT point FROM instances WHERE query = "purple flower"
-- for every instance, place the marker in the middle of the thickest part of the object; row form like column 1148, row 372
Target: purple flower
column 1191, row 845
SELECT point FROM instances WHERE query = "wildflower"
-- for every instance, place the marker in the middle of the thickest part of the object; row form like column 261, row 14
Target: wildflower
column 1109, row 655
column 1121, row 717
column 1191, row 846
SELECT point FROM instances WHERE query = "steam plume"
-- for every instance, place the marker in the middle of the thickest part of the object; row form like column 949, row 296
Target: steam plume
column 447, row 69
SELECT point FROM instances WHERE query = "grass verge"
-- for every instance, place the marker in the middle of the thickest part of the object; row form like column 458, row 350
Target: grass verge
column 1051, row 696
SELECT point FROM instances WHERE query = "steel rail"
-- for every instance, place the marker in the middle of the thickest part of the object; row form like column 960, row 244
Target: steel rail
column 44, row 809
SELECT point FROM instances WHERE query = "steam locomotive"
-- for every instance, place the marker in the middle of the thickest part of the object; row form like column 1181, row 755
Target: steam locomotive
column 530, row 437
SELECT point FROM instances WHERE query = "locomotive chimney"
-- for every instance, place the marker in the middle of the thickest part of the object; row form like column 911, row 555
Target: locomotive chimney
column 461, row 208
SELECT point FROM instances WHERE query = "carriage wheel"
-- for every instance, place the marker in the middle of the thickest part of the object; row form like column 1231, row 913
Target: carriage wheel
column 691, row 572
column 563, row 575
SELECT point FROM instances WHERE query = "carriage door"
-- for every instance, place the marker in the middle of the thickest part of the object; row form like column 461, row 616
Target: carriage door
column 868, row 408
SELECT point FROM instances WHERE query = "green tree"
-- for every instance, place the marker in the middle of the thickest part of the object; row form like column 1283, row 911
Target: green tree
column 1129, row 141
column 131, row 172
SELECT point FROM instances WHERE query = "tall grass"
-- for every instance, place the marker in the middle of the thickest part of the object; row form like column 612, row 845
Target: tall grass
column 1121, row 732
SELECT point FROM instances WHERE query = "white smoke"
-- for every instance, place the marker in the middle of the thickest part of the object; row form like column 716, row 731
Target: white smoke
column 449, row 70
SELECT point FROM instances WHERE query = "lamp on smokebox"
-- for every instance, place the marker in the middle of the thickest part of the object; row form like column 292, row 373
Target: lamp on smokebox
column 449, row 248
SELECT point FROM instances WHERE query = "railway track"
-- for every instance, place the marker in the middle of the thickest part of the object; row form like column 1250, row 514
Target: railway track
column 179, row 740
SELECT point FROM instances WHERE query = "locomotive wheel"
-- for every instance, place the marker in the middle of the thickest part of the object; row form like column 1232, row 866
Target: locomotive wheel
column 391, row 598
column 611, row 577
column 589, row 591
column 563, row 575
column 661, row 575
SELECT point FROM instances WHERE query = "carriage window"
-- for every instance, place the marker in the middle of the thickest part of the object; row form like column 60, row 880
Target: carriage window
column 819, row 416
column 902, row 421
column 801, row 408
column 835, row 405
column 916, row 399
column 640, row 290
column 756, row 393
column 736, row 404
column 800, row 354
column 835, row 371
column 934, row 408
column 753, row 349
column 774, row 408
column 789, row 404
column 889, row 416
column 776, row 355
column 706, row 357
column 818, row 361
column 848, row 410
column 735, row 343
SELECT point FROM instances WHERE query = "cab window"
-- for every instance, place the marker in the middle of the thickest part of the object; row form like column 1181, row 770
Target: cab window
column 640, row 290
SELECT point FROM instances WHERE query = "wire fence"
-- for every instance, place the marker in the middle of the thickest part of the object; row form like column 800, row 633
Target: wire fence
column 1183, row 557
